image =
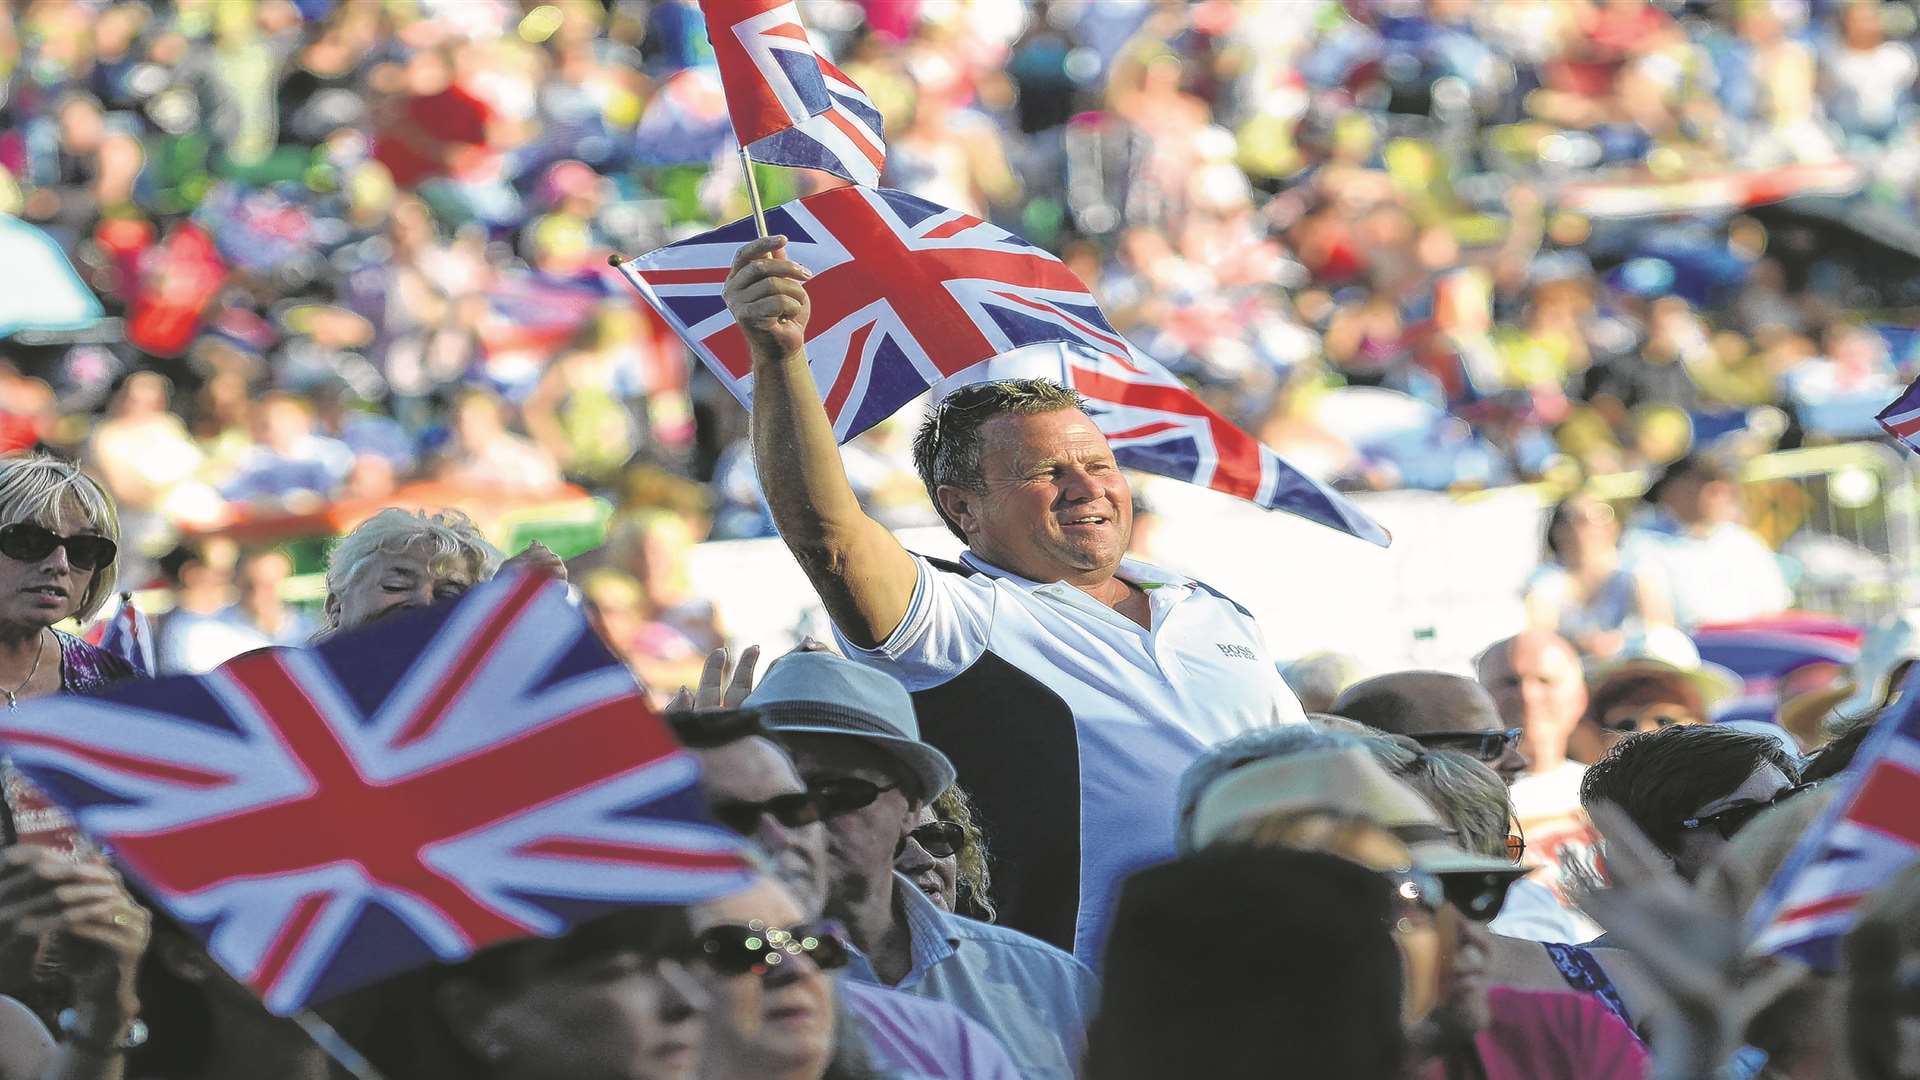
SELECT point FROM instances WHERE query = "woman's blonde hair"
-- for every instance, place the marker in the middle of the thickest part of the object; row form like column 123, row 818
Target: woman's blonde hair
column 41, row 489
column 970, row 861
column 454, row 538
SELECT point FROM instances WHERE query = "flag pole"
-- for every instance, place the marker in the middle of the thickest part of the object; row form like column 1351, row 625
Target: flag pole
column 337, row 1048
column 753, row 192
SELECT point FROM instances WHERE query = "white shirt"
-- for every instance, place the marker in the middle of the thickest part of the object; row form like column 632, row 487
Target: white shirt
column 1728, row 575
column 1070, row 724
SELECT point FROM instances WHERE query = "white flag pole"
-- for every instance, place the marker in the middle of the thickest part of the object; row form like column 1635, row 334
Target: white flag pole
column 753, row 192
column 337, row 1048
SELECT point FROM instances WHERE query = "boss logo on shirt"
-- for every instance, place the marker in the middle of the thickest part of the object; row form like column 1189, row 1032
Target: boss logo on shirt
column 1239, row 652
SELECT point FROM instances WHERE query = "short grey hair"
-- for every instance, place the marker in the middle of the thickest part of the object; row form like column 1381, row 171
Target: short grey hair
column 1468, row 796
column 454, row 538
column 947, row 449
column 1260, row 744
column 40, row 488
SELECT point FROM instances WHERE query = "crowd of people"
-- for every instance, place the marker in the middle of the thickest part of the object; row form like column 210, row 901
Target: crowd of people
column 1048, row 810
column 333, row 251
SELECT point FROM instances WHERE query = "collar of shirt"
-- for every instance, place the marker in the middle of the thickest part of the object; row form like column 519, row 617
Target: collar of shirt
column 1146, row 576
column 931, row 939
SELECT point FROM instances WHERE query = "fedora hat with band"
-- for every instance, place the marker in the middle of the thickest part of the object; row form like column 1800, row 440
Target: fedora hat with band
column 818, row 693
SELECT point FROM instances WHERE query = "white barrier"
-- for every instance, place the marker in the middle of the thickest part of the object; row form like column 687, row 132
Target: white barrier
column 1449, row 585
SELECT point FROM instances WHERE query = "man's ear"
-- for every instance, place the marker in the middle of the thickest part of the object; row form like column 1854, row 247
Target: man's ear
column 962, row 507
column 332, row 609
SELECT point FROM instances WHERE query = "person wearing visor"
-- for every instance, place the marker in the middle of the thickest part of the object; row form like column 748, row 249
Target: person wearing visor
column 1343, row 802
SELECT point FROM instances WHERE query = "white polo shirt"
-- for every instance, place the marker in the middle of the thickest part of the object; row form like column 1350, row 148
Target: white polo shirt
column 1070, row 724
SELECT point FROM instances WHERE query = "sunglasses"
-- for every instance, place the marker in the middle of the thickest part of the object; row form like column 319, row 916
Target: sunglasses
column 940, row 839
column 845, row 794
column 1478, row 896
column 24, row 541
column 1730, row 821
column 1516, row 846
column 757, row 949
column 793, row 811
column 1487, row 746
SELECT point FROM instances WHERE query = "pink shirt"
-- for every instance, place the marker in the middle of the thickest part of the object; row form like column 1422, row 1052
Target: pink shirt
column 1555, row 1036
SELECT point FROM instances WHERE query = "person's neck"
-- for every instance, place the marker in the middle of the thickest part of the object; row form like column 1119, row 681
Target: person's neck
column 20, row 643
column 1544, row 753
column 1589, row 566
column 879, row 930
column 244, row 1047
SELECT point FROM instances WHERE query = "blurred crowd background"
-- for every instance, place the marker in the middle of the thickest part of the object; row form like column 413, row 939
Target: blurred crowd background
column 270, row 264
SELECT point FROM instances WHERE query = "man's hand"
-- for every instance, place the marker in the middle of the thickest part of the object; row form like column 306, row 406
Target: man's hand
column 720, row 688
column 766, row 293
column 538, row 556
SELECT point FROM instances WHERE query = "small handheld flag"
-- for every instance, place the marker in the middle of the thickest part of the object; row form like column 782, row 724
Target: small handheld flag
column 788, row 104
column 1869, row 833
column 129, row 636
column 1902, row 418
column 409, row 793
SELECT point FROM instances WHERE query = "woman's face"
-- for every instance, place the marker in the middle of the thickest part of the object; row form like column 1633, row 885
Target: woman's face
column 1590, row 525
column 618, row 1016
column 40, row 592
column 777, row 1023
column 393, row 581
column 939, row 878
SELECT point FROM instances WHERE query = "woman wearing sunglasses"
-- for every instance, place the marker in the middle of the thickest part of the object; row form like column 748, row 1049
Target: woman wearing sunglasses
column 59, row 533
column 774, row 1008
column 945, row 856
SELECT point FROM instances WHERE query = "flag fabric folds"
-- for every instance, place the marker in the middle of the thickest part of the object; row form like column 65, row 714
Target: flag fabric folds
column 440, row 781
column 129, row 636
column 1869, row 833
column 1902, row 418
column 907, row 294
column 788, row 104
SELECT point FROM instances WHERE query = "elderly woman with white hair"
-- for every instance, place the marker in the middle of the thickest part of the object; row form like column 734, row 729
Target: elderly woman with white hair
column 399, row 560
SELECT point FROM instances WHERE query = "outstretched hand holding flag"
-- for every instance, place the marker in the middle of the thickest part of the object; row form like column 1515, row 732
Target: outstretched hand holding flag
column 906, row 295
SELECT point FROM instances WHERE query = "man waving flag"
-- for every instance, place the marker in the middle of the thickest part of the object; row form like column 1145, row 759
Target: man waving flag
column 789, row 105
column 907, row 294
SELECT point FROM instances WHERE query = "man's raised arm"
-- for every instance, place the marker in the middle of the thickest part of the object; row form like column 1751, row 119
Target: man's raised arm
column 863, row 575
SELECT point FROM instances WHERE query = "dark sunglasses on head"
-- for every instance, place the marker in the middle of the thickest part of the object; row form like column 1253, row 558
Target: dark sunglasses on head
column 940, row 839
column 1488, row 746
column 1734, row 818
column 24, row 541
column 845, row 794
column 757, row 949
column 793, row 811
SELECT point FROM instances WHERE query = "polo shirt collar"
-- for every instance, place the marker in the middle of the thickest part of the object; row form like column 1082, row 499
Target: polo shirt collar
column 930, row 931
column 1144, row 574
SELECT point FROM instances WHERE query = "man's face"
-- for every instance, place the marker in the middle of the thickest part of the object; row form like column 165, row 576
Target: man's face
column 1698, row 847
column 1055, row 507
column 754, row 770
column 1539, row 686
column 860, row 842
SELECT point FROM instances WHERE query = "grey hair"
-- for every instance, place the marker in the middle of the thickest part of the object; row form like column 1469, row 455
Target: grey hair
column 946, row 452
column 1468, row 795
column 455, row 540
column 40, row 489
column 1260, row 744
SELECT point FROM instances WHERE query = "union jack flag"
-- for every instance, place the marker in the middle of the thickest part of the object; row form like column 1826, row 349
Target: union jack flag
column 128, row 636
column 789, row 105
column 410, row 793
column 1902, row 418
column 1155, row 424
column 904, row 294
column 1869, row 833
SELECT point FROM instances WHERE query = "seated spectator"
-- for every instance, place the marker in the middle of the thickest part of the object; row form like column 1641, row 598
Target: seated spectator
column 1582, row 592
column 398, row 560
column 199, row 634
column 1639, row 698
column 946, row 857
column 753, row 789
column 483, row 455
column 1182, row 998
column 660, row 656
column 1717, row 569
column 288, row 465
column 1690, row 789
column 854, row 736
column 262, row 608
